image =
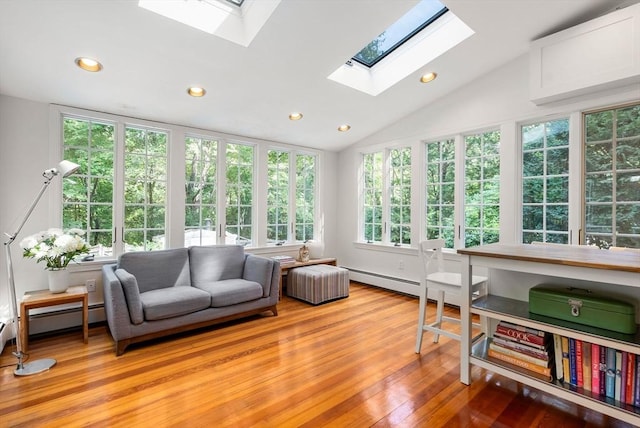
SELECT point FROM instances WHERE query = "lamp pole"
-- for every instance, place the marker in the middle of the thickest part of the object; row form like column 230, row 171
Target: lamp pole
column 65, row 168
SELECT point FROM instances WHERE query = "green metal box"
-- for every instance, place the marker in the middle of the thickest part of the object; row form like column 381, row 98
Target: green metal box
column 582, row 306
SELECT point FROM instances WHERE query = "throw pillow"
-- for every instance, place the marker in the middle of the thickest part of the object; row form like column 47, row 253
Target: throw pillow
column 132, row 294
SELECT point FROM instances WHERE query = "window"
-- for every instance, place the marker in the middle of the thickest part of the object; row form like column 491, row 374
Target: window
column 482, row 189
column 201, row 166
column 87, row 201
column 414, row 21
column 386, row 196
column 612, row 177
column 90, row 200
column 278, row 197
column 305, row 197
column 372, row 190
column 440, row 191
column 121, row 199
column 145, row 188
column 239, row 194
column 400, row 196
column 545, row 182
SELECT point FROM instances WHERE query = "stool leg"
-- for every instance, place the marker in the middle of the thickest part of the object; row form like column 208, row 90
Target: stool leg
column 439, row 309
column 421, row 317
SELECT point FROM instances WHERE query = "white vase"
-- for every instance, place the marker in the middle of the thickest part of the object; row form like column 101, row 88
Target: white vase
column 58, row 280
column 316, row 249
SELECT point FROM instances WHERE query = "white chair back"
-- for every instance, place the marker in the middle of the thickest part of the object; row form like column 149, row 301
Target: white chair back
column 431, row 255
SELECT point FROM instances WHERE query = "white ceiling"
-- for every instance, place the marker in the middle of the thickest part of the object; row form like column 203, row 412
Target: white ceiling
column 149, row 61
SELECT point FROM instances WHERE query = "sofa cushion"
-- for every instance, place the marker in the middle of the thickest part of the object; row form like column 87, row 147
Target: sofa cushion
column 132, row 294
column 215, row 263
column 232, row 291
column 157, row 269
column 173, row 302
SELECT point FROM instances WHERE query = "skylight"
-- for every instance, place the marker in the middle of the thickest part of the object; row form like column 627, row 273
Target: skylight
column 411, row 23
column 397, row 55
column 235, row 20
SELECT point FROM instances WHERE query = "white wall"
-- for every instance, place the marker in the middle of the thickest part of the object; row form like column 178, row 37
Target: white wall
column 501, row 99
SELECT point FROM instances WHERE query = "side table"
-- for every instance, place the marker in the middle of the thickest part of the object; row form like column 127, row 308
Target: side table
column 44, row 298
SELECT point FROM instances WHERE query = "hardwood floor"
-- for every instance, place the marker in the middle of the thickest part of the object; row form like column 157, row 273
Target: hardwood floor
column 349, row 363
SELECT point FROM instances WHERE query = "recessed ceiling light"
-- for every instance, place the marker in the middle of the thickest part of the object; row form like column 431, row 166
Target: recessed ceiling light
column 295, row 116
column 426, row 78
column 344, row 128
column 196, row 91
column 88, row 64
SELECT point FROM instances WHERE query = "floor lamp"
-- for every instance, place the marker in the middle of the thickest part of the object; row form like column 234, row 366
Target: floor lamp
column 65, row 168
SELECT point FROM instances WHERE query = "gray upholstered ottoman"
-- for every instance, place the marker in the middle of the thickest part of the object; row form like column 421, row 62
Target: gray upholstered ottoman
column 318, row 283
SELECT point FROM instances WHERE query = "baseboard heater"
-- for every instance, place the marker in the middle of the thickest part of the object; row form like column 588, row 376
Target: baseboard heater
column 64, row 318
column 401, row 285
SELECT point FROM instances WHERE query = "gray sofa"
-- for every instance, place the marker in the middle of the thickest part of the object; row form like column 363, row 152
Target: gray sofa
column 153, row 294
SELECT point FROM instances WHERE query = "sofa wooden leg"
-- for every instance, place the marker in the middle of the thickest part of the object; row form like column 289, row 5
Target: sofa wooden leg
column 121, row 346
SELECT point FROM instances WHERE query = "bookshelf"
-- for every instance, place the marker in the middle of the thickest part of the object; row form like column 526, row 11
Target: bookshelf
column 620, row 269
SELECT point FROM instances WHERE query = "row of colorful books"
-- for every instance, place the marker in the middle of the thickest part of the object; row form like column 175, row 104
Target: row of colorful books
column 600, row 369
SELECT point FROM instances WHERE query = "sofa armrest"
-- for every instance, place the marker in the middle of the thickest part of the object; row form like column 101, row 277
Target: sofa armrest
column 261, row 270
column 115, row 304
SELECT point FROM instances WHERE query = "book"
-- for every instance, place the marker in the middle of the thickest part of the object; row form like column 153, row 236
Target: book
column 618, row 378
column 595, row 368
column 630, row 378
column 521, row 347
column 524, row 342
column 522, row 334
column 557, row 355
column 573, row 373
column 520, row 355
column 565, row 359
column 284, row 259
column 586, row 365
column 610, row 382
column 623, row 377
column 546, row 371
column 636, row 392
column 579, row 373
column 603, row 370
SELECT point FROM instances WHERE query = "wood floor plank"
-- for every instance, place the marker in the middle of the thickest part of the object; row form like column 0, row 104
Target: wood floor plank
column 348, row 363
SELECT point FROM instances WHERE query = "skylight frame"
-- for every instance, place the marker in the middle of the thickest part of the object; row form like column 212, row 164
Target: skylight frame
column 402, row 41
column 237, row 3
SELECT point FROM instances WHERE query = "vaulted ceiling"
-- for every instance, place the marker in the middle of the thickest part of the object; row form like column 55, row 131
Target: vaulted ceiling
column 149, row 61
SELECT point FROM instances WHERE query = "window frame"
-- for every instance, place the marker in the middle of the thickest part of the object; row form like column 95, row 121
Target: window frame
column 175, row 197
column 386, row 189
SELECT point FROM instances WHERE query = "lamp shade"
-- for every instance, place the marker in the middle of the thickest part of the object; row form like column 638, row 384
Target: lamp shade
column 66, row 168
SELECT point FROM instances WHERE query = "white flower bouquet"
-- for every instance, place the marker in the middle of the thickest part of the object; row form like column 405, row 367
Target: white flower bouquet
column 55, row 247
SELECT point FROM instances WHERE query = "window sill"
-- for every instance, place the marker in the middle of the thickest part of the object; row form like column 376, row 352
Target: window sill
column 389, row 248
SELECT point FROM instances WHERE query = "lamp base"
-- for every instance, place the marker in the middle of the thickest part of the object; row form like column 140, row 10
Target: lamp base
column 34, row 367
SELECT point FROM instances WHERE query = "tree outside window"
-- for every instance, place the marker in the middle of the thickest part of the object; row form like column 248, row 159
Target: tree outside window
column 201, row 164
column 372, row 195
column 87, row 199
column 277, row 196
column 482, row 189
column 545, row 182
column 440, row 191
column 400, row 196
column 145, row 188
column 612, row 177
column 239, row 194
column 305, row 197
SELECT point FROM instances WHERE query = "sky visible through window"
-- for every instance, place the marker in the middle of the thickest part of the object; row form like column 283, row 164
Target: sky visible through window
column 423, row 14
